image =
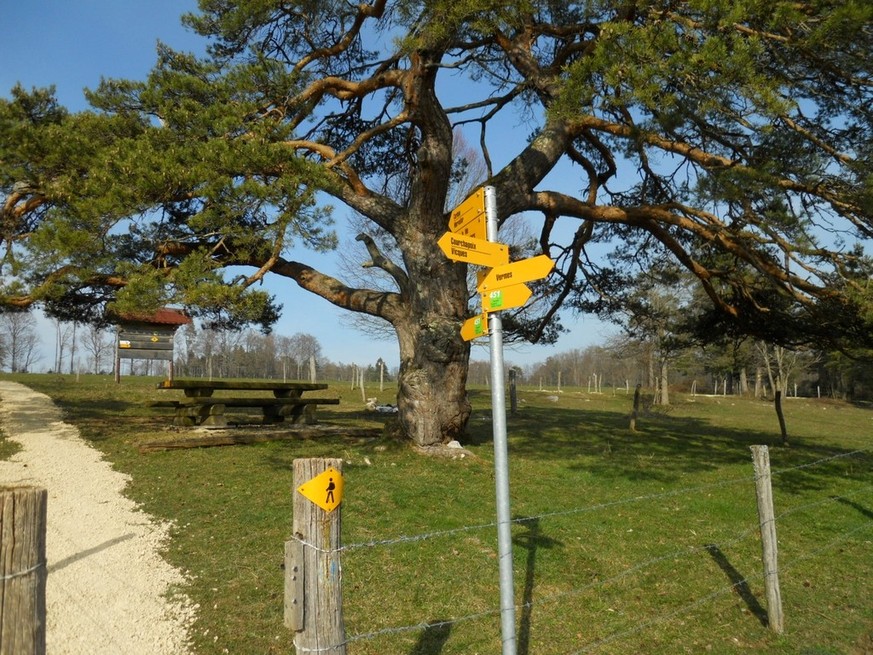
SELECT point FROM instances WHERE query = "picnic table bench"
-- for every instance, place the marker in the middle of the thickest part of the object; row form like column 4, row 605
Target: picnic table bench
column 201, row 407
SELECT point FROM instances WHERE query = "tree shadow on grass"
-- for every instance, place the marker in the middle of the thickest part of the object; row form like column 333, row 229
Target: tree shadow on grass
column 432, row 639
column 866, row 512
column 667, row 448
column 97, row 408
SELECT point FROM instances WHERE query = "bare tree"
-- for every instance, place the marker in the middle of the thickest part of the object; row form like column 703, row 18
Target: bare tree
column 304, row 347
column 20, row 340
column 98, row 343
column 63, row 341
column 781, row 364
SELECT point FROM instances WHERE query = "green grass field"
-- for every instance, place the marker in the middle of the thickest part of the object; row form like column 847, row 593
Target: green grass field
column 625, row 542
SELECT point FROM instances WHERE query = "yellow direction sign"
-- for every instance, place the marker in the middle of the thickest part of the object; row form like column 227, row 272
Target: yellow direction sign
column 514, row 273
column 506, row 298
column 474, row 327
column 468, row 218
column 472, row 250
column 325, row 489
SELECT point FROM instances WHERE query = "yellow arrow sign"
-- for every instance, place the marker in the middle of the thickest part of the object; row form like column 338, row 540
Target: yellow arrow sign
column 468, row 218
column 474, row 327
column 514, row 273
column 472, row 250
column 325, row 489
column 506, row 298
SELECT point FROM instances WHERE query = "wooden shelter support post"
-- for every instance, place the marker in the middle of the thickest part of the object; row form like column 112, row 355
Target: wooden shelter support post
column 767, row 519
column 313, row 571
column 22, row 570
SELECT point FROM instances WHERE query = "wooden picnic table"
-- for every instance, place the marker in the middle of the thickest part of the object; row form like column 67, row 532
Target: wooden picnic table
column 201, row 406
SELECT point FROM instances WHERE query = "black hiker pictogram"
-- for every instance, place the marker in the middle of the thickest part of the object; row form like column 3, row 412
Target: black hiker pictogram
column 330, row 487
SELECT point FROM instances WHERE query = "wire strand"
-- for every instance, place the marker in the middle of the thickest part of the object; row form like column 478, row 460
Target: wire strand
column 21, row 574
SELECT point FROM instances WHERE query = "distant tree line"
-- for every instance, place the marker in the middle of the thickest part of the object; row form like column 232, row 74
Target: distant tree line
column 747, row 368
column 669, row 340
column 84, row 348
column 661, row 362
column 252, row 354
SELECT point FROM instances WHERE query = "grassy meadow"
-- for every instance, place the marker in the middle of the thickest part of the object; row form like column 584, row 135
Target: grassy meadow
column 625, row 542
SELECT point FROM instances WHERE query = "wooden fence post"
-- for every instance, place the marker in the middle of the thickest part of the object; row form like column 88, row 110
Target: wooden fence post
column 767, row 519
column 313, row 571
column 22, row 570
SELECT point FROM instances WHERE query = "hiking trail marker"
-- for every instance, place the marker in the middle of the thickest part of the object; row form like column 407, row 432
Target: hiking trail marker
column 325, row 489
column 506, row 298
column 468, row 218
column 477, row 326
column 471, row 250
column 472, row 239
column 501, row 285
column 507, row 275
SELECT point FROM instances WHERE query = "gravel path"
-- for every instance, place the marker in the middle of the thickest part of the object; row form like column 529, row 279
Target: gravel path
column 106, row 591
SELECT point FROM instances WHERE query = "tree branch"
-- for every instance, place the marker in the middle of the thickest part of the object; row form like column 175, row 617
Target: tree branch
column 385, row 305
column 365, row 11
column 380, row 261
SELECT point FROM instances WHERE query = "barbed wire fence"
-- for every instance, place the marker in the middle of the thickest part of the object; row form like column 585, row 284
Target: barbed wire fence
column 738, row 583
column 859, row 498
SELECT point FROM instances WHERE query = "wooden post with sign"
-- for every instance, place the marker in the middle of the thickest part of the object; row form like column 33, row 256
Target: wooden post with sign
column 22, row 570
column 313, row 571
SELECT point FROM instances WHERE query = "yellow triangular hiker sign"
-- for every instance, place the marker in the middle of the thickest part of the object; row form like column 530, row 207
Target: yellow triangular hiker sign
column 325, row 489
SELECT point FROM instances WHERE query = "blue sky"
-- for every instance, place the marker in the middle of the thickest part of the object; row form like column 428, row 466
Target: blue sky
column 73, row 44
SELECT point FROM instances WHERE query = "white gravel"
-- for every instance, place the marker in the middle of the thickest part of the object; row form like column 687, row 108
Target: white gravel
column 107, row 586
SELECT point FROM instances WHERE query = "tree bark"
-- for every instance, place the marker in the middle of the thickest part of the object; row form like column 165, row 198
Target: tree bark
column 432, row 396
column 665, row 390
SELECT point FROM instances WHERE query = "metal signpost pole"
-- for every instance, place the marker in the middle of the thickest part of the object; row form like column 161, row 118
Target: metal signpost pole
column 501, row 458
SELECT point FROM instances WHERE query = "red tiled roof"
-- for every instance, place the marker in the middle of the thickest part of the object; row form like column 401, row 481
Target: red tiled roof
column 161, row 317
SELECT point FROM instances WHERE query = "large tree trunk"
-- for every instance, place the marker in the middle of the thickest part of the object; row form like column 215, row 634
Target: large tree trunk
column 432, row 396
column 434, row 359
